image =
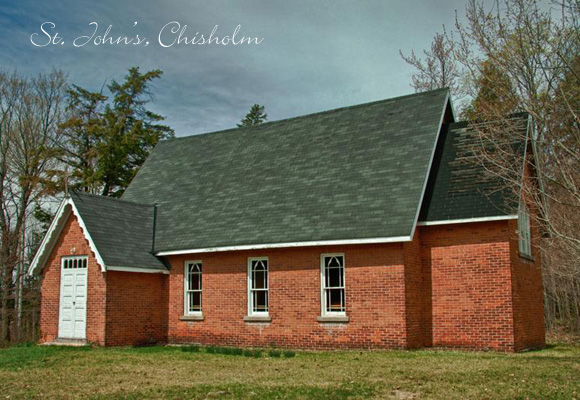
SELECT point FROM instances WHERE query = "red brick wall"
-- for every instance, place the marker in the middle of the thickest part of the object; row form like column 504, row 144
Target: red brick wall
column 460, row 285
column 529, row 330
column 470, row 285
column 375, row 299
column 415, row 294
column 527, row 291
column 136, row 308
column 72, row 236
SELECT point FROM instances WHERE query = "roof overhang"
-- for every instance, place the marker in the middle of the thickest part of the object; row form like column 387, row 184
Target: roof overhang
column 467, row 220
column 395, row 239
column 135, row 269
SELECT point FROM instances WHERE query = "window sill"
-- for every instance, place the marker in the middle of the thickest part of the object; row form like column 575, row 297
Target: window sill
column 257, row 318
column 192, row 317
column 528, row 257
column 333, row 319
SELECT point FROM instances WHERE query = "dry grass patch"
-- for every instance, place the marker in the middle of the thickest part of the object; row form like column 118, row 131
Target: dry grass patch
column 171, row 373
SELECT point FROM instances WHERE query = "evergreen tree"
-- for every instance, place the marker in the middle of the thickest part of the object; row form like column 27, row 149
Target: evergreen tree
column 82, row 133
column 108, row 141
column 255, row 117
column 130, row 131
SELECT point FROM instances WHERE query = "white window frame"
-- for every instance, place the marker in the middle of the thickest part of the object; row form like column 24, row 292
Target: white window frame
column 524, row 231
column 323, row 288
column 251, row 291
column 186, row 291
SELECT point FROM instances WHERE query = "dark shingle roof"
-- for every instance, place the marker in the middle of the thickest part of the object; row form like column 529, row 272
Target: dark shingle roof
column 352, row 173
column 458, row 186
column 122, row 231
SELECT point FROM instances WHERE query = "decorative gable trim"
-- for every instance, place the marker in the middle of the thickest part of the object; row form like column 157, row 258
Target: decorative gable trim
column 65, row 209
column 50, row 238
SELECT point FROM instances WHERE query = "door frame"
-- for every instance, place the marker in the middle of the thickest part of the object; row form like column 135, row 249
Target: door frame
column 60, row 298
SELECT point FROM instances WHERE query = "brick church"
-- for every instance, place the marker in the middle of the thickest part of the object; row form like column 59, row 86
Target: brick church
column 360, row 227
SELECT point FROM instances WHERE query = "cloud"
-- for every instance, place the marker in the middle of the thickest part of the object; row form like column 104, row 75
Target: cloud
column 316, row 55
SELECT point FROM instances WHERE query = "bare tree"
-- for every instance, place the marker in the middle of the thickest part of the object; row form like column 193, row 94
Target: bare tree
column 523, row 56
column 10, row 89
column 30, row 111
column 520, row 57
column 437, row 68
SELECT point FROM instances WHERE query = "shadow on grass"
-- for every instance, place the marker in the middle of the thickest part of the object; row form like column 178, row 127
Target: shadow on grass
column 236, row 351
column 548, row 346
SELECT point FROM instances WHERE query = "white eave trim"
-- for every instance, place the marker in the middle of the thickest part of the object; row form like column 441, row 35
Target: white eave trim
column 53, row 234
column 395, row 239
column 54, row 228
column 135, row 269
column 467, row 220
column 92, row 245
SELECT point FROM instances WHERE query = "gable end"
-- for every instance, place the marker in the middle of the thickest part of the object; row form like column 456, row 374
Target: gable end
column 65, row 210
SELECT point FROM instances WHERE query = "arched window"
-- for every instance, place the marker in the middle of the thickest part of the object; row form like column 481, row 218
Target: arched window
column 332, row 274
column 258, row 286
column 192, row 284
column 525, row 240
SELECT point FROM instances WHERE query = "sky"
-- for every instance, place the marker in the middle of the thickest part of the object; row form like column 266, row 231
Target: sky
column 315, row 55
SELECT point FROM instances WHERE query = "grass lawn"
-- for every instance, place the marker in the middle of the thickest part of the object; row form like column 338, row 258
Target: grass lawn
column 30, row 372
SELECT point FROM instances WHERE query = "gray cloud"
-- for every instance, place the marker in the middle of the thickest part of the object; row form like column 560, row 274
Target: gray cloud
column 316, row 55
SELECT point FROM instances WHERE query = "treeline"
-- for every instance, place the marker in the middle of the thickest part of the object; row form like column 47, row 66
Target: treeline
column 53, row 137
column 511, row 56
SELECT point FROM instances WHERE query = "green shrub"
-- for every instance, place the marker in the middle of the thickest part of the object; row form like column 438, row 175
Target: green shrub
column 252, row 353
column 275, row 353
column 230, row 351
column 190, row 349
column 289, row 354
column 236, row 351
column 257, row 353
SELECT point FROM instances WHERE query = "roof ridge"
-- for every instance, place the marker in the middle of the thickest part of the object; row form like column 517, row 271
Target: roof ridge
column 81, row 194
column 270, row 123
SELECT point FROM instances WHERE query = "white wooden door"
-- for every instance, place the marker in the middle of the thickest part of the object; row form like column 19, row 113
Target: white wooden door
column 73, row 298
